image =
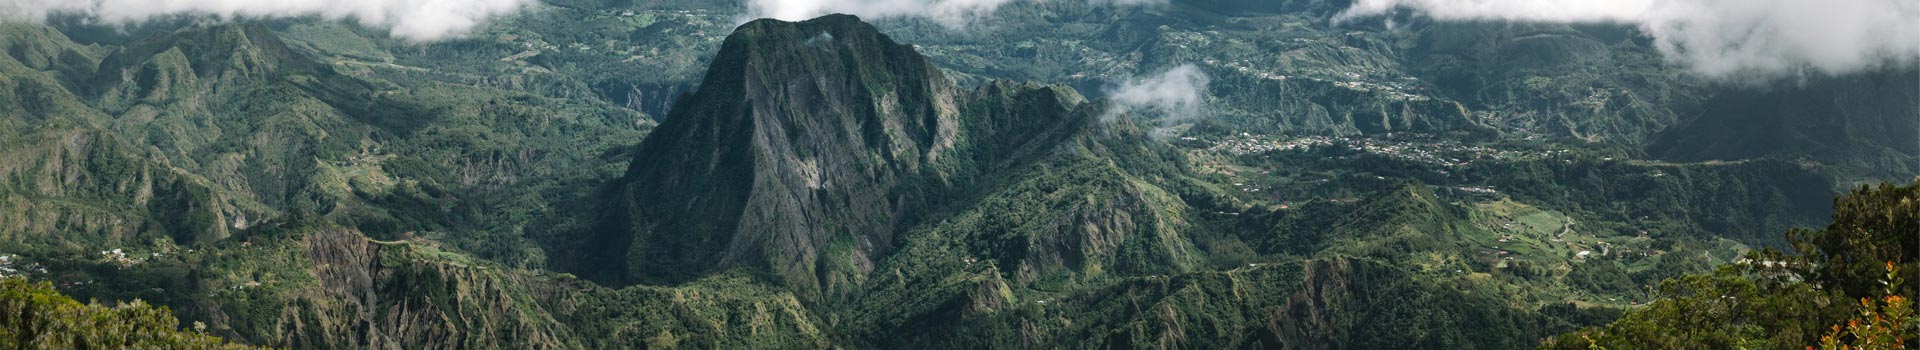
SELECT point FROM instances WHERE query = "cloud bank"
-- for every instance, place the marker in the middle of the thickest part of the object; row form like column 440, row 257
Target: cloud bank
column 948, row 12
column 1719, row 38
column 1177, row 94
column 418, row 20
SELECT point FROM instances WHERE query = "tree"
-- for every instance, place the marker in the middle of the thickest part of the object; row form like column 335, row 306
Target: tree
column 1884, row 324
column 35, row 316
column 1780, row 300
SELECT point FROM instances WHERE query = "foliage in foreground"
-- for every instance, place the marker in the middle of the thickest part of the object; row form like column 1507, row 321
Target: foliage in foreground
column 1777, row 300
column 37, row 317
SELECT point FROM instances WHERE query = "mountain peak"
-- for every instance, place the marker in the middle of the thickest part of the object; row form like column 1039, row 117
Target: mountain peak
column 837, row 22
column 812, row 146
column 802, row 138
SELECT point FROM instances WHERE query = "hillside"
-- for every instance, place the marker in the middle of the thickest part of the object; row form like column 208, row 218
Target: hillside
column 40, row 318
column 621, row 174
column 802, row 134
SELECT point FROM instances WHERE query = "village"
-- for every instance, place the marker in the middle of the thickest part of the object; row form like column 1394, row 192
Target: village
column 1403, row 146
column 12, row 265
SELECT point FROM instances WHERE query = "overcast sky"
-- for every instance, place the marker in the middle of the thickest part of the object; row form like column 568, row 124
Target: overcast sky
column 419, row 20
column 1719, row 38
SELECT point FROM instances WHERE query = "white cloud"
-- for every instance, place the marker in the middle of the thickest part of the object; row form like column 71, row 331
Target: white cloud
column 1179, row 93
column 420, row 20
column 1719, row 38
column 949, row 12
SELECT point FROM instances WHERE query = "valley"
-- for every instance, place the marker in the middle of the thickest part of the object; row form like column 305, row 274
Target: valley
column 622, row 174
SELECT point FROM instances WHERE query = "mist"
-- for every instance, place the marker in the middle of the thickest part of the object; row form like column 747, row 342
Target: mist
column 1176, row 94
column 1729, row 39
column 417, row 20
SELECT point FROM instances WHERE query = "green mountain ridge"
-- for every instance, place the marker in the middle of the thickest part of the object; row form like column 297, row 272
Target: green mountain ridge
column 832, row 185
column 800, row 133
column 305, row 184
column 1863, row 122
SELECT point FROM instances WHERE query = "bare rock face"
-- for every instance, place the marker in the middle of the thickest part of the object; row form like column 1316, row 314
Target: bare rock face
column 802, row 139
column 810, row 149
column 815, row 149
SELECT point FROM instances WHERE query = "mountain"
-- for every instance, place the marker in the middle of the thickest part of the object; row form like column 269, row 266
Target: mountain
column 801, row 134
column 307, row 183
column 813, row 146
column 68, row 179
column 244, row 183
column 54, row 321
column 1867, row 124
column 1050, row 207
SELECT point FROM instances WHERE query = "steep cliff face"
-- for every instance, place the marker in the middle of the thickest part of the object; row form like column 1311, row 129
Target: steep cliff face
column 1866, row 124
column 337, row 289
column 254, row 129
column 802, row 134
column 814, row 147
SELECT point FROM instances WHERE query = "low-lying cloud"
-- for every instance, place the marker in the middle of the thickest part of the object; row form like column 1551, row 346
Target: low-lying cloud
column 1177, row 94
column 418, row 20
column 1719, row 38
column 948, row 12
